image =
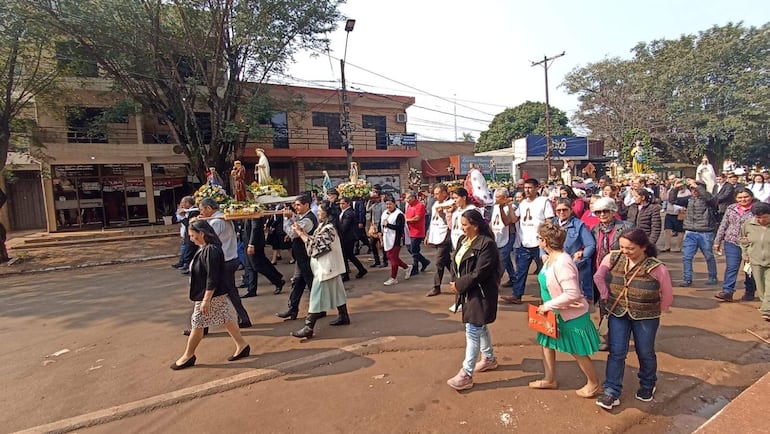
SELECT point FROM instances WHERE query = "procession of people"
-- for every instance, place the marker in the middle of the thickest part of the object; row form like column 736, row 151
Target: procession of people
column 593, row 246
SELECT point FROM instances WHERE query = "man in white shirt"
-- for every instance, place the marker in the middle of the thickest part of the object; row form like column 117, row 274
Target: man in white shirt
column 532, row 211
column 439, row 237
column 504, row 229
column 226, row 233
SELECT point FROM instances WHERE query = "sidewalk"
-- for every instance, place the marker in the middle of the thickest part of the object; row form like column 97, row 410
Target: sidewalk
column 744, row 414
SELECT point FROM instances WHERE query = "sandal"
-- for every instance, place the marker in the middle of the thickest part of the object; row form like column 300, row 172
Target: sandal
column 542, row 384
column 588, row 394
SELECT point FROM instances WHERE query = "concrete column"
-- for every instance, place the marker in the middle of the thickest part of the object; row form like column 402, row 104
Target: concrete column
column 48, row 196
column 152, row 218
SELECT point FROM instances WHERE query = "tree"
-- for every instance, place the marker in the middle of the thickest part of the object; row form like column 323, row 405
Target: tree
column 198, row 64
column 467, row 137
column 699, row 94
column 520, row 121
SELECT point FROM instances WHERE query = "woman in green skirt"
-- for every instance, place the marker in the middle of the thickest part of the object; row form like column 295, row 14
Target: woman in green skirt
column 560, row 290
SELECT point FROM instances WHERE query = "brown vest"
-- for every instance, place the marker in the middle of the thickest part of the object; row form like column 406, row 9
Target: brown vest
column 642, row 299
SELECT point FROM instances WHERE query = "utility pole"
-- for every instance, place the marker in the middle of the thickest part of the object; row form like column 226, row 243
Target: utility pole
column 548, row 142
column 347, row 131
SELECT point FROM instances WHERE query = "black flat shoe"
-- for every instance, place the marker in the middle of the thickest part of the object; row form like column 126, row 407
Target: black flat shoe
column 287, row 315
column 244, row 325
column 279, row 288
column 249, row 295
column 189, row 363
column 244, row 353
column 361, row 274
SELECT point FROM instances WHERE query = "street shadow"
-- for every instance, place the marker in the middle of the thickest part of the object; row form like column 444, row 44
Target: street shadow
column 695, row 303
column 694, row 343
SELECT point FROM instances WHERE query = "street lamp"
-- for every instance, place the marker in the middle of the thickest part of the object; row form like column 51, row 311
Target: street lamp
column 346, row 129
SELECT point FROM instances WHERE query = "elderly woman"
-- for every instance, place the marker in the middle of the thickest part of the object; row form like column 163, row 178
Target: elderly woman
column 327, row 290
column 644, row 214
column 755, row 244
column 607, row 232
column 579, row 244
column 638, row 288
column 560, row 291
column 209, row 292
column 730, row 232
column 476, row 274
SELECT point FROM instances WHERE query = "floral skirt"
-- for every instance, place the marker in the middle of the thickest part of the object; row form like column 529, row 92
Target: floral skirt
column 220, row 312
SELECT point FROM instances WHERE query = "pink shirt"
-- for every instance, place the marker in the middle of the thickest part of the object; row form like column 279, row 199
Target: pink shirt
column 416, row 228
column 561, row 279
column 660, row 273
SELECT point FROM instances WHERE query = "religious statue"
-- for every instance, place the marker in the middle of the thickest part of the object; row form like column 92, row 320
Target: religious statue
column 262, row 169
column 706, row 174
column 327, row 183
column 237, row 176
column 492, row 170
column 476, row 186
column 589, row 171
column 353, row 172
column 638, row 158
column 566, row 174
column 213, row 178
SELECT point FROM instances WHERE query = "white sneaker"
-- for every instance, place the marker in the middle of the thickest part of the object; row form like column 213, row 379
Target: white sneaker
column 408, row 272
column 390, row 282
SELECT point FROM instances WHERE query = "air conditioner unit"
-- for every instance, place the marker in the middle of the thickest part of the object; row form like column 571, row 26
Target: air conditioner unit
column 401, row 118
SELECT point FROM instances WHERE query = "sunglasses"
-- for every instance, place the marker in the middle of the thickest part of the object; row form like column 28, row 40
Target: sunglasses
column 603, row 211
column 562, row 209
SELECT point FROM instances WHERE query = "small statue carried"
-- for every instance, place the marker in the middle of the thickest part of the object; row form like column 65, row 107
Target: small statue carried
column 353, row 172
column 262, row 169
column 638, row 158
column 237, row 176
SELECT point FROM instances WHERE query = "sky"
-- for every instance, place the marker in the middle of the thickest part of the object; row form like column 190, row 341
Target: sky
column 466, row 61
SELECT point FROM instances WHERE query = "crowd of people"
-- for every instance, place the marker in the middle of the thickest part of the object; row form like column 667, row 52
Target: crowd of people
column 592, row 245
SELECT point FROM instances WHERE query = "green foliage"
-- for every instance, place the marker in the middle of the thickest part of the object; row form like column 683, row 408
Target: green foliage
column 699, row 94
column 520, row 121
column 180, row 58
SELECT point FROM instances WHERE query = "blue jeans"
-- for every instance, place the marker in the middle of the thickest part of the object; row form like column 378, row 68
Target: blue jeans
column 476, row 338
column 690, row 244
column 733, row 259
column 524, row 258
column 182, row 252
column 505, row 254
column 585, row 272
column 620, row 330
column 242, row 253
column 417, row 257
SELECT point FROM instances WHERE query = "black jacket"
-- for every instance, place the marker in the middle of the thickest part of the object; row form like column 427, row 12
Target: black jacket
column 477, row 280
column 647, row 220
column 348, row 226
column 724, row 196
column 254, row 233
column 701, row 212
column 207, row 272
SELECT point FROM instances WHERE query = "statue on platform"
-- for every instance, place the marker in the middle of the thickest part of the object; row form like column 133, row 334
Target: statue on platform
column 492, row 170
column 638, row 158
column 238, row 183
column 262, row 169
column 213, row 178
column 327, row 183
column 566, row 174
column 353, row 172
column 706, row 174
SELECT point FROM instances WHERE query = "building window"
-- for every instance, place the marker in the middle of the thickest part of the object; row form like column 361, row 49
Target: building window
column 203, row 121
column 73, row 59
column 85, row 125
column 379, row 125
column 332, row 123
column 280, row 124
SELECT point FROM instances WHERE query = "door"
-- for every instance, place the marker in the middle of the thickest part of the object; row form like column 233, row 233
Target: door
column 25, row 199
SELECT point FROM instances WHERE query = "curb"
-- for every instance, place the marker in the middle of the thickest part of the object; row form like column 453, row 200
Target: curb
column 213, row 387
column 44, row 244
column 87, row 265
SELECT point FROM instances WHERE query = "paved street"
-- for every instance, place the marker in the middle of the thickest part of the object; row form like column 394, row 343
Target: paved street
column 121, row 327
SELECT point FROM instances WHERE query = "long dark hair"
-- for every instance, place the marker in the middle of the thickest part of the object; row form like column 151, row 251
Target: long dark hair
column 570, row 192
column 639, row 237
column 475, row 218
column 332, row 215
column 203, row 227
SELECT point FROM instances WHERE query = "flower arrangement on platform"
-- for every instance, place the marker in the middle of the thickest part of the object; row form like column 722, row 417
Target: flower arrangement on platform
column 493, row 185
column 359, row 189
column 235, row 209
column 274, row 188
column 454, row 185
column 212, row 191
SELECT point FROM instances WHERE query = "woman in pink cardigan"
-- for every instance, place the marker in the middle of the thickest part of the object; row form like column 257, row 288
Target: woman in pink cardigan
column 560, row 291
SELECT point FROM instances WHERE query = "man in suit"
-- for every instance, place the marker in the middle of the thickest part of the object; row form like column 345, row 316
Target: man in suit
column 187, row 211
column 348, row 236
column 724, row 194
column 253, row 237
column 303, row 275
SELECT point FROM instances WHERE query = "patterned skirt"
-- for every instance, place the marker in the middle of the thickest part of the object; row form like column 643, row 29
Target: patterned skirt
column 220, row 312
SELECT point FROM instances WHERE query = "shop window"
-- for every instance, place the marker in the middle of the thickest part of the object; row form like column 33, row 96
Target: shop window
column 332, row 123
column 379, row 125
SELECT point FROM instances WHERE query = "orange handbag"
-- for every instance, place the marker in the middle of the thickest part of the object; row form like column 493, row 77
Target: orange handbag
column 545, row 324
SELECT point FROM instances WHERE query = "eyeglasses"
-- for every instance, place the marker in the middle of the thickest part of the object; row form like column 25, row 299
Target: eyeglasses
column 562, row 209
column 602, row 211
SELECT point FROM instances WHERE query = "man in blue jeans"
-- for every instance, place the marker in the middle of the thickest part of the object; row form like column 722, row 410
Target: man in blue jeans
column 700, row 222
column 532, row 211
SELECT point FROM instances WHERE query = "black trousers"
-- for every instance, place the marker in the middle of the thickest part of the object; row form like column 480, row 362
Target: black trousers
column 231, row 267
column 443, row 260
column 349, row 255
column 303, row 278
column 260, row 264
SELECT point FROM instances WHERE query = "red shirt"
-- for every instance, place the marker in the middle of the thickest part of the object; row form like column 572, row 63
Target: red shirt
column 416, row 228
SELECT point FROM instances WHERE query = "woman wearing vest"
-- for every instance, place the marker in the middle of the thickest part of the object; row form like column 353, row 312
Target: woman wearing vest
column 561, row 293
column 636, row 287
column 327, row 290
column 475, row 278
